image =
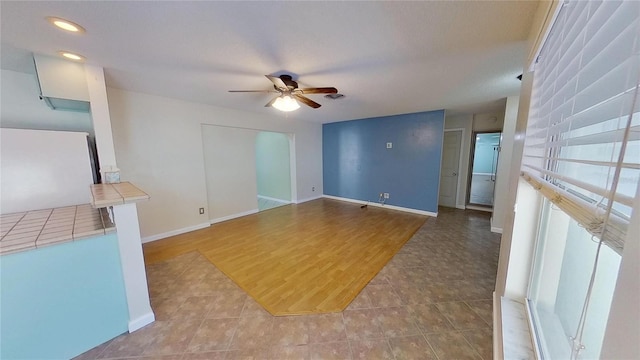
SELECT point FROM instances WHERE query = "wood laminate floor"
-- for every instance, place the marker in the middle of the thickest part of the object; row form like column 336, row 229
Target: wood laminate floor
column 299, row 259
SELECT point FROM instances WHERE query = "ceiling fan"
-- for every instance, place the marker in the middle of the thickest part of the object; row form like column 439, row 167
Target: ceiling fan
column 289, row 93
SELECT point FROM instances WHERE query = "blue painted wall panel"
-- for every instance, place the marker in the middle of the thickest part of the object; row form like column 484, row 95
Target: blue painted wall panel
column 357, row 164
column 60, row 301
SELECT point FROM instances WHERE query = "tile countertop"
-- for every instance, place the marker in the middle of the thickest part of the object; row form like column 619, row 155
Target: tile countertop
column 34, row 229
column 104, row 195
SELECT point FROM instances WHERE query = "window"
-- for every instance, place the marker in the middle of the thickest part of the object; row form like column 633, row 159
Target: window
column 565, row 254
column 582, row 152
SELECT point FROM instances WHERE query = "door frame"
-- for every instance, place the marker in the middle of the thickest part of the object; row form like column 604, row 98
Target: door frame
column 460, row 158
column 472, row 155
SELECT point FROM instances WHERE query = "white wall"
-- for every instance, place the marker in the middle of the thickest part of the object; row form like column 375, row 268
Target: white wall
column 231, row 179
column 462, row 122
column 21, row 108
column 273, row 165
column 159, row 148
column 500, row 204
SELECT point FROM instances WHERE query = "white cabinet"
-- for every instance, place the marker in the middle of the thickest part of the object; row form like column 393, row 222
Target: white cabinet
column 63, row 83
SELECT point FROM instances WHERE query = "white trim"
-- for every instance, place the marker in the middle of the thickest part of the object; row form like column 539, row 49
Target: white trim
column 550, row 16
column 392, row 207
column 233, row 216
column 497, row 328
column 167, row 234
column 532, row 330
column 309, row 199
column 479, row 208
column 483, row 174
column 494, row 229
column 141, row 321
column 461, row 207
column 281, row 201
column 293, row 167
column 460, row 165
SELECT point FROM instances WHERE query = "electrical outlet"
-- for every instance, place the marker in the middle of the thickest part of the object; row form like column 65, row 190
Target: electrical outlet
column 201, row 211
column 389, row 145
column 386, row 195
column 313, row 188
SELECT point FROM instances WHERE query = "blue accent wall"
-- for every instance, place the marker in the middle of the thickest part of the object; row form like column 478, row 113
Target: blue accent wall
column 357, row 164
column 62, row 300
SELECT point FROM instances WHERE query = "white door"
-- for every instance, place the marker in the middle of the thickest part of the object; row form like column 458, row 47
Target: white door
column 449, row 170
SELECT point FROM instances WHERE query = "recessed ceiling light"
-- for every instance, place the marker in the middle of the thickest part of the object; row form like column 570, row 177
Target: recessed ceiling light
column 71, row 56
column 66, row 25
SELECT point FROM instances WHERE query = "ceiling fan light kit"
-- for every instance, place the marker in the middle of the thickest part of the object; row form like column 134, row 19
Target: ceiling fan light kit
column 290, row 94
column 285, row 103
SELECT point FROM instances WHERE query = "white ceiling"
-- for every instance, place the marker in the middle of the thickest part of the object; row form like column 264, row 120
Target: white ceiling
column 386, row 57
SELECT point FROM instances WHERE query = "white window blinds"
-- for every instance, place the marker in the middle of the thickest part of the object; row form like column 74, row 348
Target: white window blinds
column 582, row 146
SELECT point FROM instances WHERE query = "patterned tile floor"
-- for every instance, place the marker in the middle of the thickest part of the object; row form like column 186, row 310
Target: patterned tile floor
column 431, row 301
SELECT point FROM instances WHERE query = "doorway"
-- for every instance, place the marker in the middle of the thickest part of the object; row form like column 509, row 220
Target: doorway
column 273, row 172
column 450, row 171
column 485, row 155
column 231, row 168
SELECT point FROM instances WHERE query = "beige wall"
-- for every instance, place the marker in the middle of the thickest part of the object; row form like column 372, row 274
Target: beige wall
column 230, row 174
column 159, row 148
column 488, row 121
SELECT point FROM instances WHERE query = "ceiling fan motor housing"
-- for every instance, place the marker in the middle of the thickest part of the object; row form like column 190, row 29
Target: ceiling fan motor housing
column 288, row 80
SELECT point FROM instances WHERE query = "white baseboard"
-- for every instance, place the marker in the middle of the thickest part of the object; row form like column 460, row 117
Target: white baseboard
column 274, row 199
column 308, row 199
column 141, row 321
column 461, row 207
column 167, row 234
column 392, row 207
column 480, row 208
column 233, row 216
column 495, row 229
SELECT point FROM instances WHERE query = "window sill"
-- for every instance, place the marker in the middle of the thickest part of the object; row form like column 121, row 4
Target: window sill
column 516, row 336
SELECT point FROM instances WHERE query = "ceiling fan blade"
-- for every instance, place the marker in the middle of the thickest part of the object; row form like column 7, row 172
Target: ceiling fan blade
column 277, row 82
column 254, row 91
column 307, row 101
column 271, row 102
column 320, row 90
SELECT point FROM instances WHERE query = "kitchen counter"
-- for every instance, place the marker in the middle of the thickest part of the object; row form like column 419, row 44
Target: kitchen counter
column 38, row 228
column 104, row 195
